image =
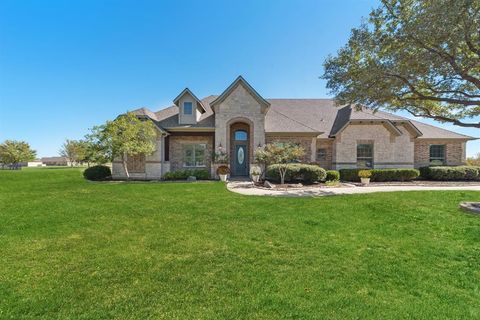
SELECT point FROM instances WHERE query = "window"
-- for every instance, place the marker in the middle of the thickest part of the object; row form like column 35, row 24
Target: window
column 194, row 155
column 437, row 154
column 240, row 135
column 187, row 108
column 321, row 154
column 364, row 155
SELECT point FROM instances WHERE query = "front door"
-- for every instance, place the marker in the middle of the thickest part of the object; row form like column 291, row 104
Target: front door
column 240, row 163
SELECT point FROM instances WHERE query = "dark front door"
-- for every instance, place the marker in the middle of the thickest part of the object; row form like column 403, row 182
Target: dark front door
column 240, row 162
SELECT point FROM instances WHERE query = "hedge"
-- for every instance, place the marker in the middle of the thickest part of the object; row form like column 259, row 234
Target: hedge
column 332, row 175
column 307, row 173
column 381, row 175
column 442, row 173
column 97, row 173
column 200, row 174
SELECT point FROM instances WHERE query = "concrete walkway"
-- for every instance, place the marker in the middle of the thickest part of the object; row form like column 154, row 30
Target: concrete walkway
column 247, row 188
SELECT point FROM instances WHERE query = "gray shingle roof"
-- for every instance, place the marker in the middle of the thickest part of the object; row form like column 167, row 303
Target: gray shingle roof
column 309, row 116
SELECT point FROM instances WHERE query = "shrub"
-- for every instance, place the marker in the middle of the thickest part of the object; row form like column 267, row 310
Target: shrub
column 97, row 173
column 365, row 173
column 298, row 172
column 451, row 173
column 380, row 175
column 223, row 170
column 332, row 175
column 200, row 174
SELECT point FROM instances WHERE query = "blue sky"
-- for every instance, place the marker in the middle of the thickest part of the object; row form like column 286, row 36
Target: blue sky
column 68, row 65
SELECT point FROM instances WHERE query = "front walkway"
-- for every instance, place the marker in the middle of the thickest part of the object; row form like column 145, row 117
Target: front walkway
column 247, row 188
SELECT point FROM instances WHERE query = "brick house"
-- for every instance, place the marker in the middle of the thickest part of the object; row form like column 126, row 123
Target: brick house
column 240, row 120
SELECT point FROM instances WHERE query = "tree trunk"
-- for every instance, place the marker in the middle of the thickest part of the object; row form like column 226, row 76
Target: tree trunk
column 282, row 175
column 124, row 163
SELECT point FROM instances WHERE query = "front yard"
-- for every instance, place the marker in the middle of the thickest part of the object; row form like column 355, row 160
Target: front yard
column 72, row 249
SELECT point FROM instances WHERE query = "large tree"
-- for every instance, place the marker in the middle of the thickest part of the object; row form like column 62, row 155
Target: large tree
column 421, row 56
column 125, row 136
column 13, row 152
column 74, row 150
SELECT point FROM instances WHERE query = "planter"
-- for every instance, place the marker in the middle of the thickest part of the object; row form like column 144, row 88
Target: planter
column 365, row 181
column 255, row 177
column 223, row 177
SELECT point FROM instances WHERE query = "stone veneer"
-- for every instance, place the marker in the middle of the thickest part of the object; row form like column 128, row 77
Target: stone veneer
column 239, row 106
column 389, row 151
column 455, row 152
column 303, row 141
column 176, row 150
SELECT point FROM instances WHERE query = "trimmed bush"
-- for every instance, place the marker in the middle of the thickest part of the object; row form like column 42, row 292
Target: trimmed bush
column 298, row 172
column 332, row 175
column 381, row 175
column 200, row 174
column 459, row 173
column 97, row 173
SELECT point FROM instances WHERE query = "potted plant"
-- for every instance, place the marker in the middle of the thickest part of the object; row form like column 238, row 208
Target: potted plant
column 222, row 172
column 255, row 175
column 365, row 176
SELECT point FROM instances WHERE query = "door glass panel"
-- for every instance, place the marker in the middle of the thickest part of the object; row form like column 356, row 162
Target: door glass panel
column 240, row 155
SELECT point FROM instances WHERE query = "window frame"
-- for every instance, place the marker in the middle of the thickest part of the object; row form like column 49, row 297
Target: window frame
column 190, row 104
column 196, row 164
column 364, row 158
column 443, row 158
column 324, row 154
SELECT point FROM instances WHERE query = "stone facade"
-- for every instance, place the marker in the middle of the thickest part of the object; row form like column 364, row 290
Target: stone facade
column 389, row 151
column 455, row 152
column 304, row 141
column 239, row 106
column 176, row 150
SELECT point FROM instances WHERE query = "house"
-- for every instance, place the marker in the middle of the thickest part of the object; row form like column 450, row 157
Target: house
column 239, row 120
column 56, row 161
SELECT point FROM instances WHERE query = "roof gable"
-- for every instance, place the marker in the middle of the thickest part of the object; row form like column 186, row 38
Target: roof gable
column 188, row 91
column 240, row 81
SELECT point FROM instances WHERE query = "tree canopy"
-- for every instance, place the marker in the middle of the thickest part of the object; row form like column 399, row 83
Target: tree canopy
column 13, row 152
column 125, row 136
column 421, row 56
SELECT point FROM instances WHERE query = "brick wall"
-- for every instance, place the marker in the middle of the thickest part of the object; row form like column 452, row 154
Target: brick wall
column 176, row 150
column 328, row 146
column 305, row 142
column 455, row 152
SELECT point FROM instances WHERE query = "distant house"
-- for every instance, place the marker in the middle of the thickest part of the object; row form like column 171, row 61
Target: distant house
column 239, row 120
column 56, row 161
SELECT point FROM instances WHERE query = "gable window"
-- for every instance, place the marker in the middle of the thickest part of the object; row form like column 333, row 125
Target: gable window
column 240, row 135
column 364, row 155
column 194, row 155
column 321, row 154
column 437, row 154
column 187, row 108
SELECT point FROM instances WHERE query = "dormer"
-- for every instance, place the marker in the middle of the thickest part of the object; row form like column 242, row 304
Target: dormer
column 190, row 107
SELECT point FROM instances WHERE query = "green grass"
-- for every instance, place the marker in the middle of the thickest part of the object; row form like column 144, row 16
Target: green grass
column 72, row 249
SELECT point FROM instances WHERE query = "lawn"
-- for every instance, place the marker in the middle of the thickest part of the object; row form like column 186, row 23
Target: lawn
column 72, row 249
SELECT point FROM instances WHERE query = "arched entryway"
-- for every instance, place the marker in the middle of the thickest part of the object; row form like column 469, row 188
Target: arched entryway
column 240, row 148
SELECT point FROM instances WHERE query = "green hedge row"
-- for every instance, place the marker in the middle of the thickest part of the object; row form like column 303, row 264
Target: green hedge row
column 381, row 175
column 458, row 173
column 200, row 174
column 307, row 173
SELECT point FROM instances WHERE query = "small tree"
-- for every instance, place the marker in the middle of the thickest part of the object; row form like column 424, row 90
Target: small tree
column 13, row 152
column 73, row 150
column 282, row 154
column 125, row 136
